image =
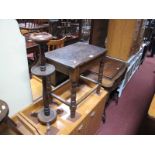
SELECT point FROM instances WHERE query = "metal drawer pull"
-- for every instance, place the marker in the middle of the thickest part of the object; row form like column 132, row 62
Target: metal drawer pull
column 93, row 114
column 80, row 127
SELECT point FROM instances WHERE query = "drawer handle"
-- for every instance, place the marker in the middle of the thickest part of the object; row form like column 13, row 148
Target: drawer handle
column 93, row 114
column 80, row 127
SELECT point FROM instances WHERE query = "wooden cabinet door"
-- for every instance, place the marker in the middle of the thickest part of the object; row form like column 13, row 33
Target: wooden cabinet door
column 80, row 130
column 94, row 119
column 120, row 38
column 91, row 123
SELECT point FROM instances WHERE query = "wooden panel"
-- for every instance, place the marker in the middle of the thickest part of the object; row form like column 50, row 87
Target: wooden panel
column 99, row 30
column 120, row 37
column 137, row 36
column 94, row 119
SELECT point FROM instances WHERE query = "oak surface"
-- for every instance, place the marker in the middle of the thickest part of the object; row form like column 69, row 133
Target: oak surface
column 87, row 120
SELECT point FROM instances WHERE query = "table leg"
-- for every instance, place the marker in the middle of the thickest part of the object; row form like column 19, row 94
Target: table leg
column 74, row 78
column 100, row 76
column 73, row 99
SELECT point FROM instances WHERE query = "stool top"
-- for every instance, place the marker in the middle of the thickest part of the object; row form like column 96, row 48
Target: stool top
column 4, row 110
column 75, row 55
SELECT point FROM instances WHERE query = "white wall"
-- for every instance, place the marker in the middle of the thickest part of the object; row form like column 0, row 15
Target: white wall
column 14, row 76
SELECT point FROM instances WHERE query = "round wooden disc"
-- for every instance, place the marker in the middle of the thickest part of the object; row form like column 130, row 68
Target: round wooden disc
column 41, row 37
column 50, row 69
column 47, row 119
column 4, row 110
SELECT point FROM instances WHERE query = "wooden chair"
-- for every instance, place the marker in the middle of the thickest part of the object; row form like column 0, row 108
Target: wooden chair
column 54, row 44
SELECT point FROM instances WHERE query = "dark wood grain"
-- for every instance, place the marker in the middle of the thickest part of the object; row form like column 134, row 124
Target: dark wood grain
column 111, row 67
column 75, row 55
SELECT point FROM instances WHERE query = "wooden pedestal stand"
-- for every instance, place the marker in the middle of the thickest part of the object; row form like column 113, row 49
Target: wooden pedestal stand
column 46, row 115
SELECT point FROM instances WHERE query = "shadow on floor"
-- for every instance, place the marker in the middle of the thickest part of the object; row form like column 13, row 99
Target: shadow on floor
column 147, row 127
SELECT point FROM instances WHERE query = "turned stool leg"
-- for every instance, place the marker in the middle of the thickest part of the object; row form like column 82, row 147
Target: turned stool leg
column 73, row 99
column 74, row 78
column 100, row 76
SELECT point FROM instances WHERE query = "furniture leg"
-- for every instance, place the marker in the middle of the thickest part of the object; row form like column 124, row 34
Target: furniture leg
column 74, row 77
column 104, row 112
column 45, row 96
column 73, row 99
column 49, row 90
column 100, row 76
column 116, row 96
column 103, row 116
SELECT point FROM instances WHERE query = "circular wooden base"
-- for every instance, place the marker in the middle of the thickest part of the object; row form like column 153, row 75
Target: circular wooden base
column 47, row 119
column 49, row 70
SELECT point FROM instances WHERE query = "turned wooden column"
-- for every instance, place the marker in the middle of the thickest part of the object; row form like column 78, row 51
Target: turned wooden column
column 44, row 70
column 74, row 78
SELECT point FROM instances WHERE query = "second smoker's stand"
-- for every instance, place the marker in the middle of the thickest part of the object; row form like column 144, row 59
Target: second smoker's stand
column 46, row 115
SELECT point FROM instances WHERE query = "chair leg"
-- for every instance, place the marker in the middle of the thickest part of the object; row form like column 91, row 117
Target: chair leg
column 104, row 113
column 116, row 97
column 103, row 117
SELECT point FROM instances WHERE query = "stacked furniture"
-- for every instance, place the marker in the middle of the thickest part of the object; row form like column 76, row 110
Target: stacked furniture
column 123, row 42
column 79, row 102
